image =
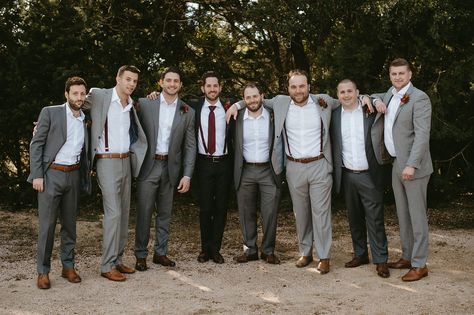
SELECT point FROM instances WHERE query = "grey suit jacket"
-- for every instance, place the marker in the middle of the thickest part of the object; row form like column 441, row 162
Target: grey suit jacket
column 182, row 146
column 49, row 138
column 411, row 131
column 97, row 104
column 239, row 148
column 375, row 169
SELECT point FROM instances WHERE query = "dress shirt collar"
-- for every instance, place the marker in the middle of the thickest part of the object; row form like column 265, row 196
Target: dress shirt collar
column 309, row 102
column 163, row 101
column 69, row 112
column 264, row 114
column 358, row 108
column 402, row 91
column 218, row 103
column 116, row 98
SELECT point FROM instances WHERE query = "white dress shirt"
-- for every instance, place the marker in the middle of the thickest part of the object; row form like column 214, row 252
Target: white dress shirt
column 390, row 113
column 303, row 128
column 353, row 142
column 255, row 143
column 219, row 113
column 118, row 120
column 70, row 152
column 167, row 112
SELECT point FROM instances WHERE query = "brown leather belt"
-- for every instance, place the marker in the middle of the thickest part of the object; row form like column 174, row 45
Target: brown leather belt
column 161, row 157
column 112, row 155
column 258, row 163
column 305, row 160
column 354, row 171
column 65, row 168
column 212, row 158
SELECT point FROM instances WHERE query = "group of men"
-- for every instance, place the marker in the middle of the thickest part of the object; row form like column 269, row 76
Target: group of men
column 163, row 142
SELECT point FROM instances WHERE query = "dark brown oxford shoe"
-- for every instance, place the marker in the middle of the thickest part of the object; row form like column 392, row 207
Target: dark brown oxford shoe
column 246, row 258
column 382, row 270
column 140, row 265
column 270, row 258
column 124, row 269
column 203, row 257
column 71, row 275
column 114, row 275
column 323, row 266
column 356, row 262
column 163, row 260
column 43, row 281
column 400, row 264
column 217, row 258
column 415, row 274
column 304, row 261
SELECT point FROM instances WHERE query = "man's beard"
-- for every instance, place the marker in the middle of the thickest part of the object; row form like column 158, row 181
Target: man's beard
column 255, row 109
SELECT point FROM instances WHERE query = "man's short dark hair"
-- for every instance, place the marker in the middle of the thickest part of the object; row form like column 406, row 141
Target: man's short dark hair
column 399, row 62
column 347, row 81
column 171, row 69
column 298, row 72
column 130, row 68
column 251, row 85
column 209, row 74
column 74, row 81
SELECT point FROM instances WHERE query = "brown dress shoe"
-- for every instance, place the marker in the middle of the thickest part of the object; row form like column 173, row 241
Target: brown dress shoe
column 114, row 275
column 163, row 260
column 304, row 261
column 356, row 262
column 246, row 258
column 140, row 265
column 415, row 274
column 124, row 269
column 400, row 264
column 203, row 257
column 323, row 266
column 71, row 275
column 270, row 258
column 382, row 270
column 43, row 281
column 217, row 258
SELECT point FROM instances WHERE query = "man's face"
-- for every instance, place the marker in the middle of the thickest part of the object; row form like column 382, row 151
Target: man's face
column 76, row 96
column 298, row 88
column 127, row 82
column 171, row 84
column 253, row 99
column 400, row 76
column 211, row 89
column 347, row 94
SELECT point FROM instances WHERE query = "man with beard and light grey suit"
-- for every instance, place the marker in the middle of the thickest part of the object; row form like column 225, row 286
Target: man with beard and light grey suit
column 254, row 174
column 59, row 169
column 406, row 134
column 169, row 127
column 118, row 146
column 359, row 177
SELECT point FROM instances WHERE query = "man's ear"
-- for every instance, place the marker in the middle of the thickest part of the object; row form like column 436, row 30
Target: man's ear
column 202, row 88
column 65, row 94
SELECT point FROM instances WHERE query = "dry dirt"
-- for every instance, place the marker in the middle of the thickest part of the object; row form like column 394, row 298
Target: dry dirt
column 255, row 287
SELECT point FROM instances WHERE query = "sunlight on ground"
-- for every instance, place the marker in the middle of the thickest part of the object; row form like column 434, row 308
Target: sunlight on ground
column 268, row 297
column 402, row 287
column 186, row 280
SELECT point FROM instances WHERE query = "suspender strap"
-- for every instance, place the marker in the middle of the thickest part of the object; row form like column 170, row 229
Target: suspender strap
column 320, row 140
column 201, row 133
column 106, row 132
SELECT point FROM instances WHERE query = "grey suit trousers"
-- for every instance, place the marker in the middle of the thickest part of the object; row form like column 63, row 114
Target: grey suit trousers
column 310, row 189
column 154, row 192
column 255, row 180
column 114, row 178
column 60, row 197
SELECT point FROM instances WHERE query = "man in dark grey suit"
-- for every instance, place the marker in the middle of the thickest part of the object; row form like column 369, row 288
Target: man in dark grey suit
column 169, row 127
column 118, row 146
column 254, row 174
column 358, row 175
column 58, row 171
column 406, row 134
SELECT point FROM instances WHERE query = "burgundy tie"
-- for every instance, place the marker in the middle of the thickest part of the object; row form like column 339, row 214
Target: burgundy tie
column 211, row 131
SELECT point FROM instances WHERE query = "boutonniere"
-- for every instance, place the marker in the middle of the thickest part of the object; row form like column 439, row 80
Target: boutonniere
column 322, row 102
column 183, row 109
column 227, row 105
column 405, row 99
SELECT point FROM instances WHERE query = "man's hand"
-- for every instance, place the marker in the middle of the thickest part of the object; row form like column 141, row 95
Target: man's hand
column 184, row 184
column 231, row 112
column 38, row 184
column 380, row 106
column 366, row 101
column 153, row 95
column 408, row 173
column 35, row 128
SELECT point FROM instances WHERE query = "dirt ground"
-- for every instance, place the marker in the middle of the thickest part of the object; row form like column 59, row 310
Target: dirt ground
column 230, row 288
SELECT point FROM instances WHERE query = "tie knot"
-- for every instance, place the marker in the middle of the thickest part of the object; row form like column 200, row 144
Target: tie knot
column 211, row 108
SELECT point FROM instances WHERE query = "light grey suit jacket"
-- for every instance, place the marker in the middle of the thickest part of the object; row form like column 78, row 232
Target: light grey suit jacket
column 182, row 146
column 411, row 131
column 97, row 104
column 49, row 138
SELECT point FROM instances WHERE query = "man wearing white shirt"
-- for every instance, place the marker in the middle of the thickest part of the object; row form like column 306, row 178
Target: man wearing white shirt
column 254, row 175
column 169, row 127
column 58, row 167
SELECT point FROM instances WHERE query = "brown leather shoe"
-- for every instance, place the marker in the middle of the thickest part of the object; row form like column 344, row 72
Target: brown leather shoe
column 356, row 262
column 43, row 281
column 71, row 275
column 203, row 257
column 217, row 258
column 124, row 269
column 415, row 274
column 304, row 261
column 114, row 275
column 246, row 258
column 270, row 258
column 163, row 260
column 323, row 266
column 400, row 264
column 140, row 265
column 382, row 270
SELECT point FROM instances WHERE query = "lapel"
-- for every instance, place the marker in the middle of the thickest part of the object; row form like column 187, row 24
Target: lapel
column 271, row 130
column 337, row 125
column 156, row 119
column 408, row 92
column 177, row 118
column 64, row 122
column 240, row 131
column 323, row 120
column 106, row 105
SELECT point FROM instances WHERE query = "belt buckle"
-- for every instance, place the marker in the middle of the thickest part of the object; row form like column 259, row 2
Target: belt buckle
column 214, row 159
